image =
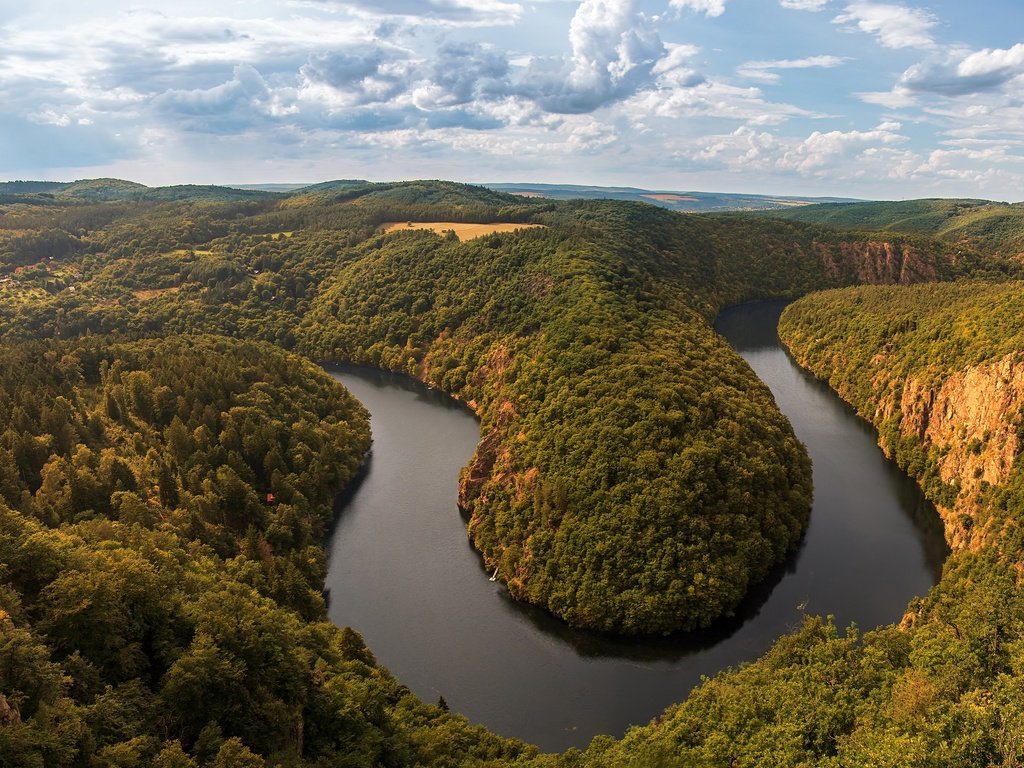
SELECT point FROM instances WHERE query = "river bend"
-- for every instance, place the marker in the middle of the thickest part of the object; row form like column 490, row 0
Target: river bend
column 402, row 572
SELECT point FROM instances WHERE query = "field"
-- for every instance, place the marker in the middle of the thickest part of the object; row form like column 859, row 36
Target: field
column 462, row 231
column 152, row 293
column 668, row 198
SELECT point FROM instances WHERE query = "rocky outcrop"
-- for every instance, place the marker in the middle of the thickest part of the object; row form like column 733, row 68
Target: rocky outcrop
column 876, row 263
column 970, row 422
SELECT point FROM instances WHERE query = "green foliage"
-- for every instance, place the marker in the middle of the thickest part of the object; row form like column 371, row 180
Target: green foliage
column 157, row 607
column 996, row 228
column 633, row 475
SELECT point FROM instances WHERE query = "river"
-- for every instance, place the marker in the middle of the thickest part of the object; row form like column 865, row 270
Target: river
column 402, row 572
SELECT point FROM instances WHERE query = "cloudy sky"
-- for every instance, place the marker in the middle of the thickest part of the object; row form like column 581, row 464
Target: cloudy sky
column 833, row 97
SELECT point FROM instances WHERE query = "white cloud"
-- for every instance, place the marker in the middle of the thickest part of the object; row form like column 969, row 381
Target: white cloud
column 956, row 73
column 614, row 51
column 451, row 12
column 677, row 56
column 804, row 5
column 895, row 26
column 894, row 99
column 993, row 62
column 762, row 70
column 821, row 150
column 49, row 117
column 416, row 87
column 836, row 155
column 710, row 99
column 707, row 7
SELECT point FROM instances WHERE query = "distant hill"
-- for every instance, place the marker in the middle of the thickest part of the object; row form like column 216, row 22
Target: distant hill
column 990, row 226
column 107, row 190
column 111, row 190
column 271, row 187
column 673, row 200
column 31, row 187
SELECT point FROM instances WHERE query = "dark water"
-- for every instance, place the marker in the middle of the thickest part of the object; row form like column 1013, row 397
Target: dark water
column 403, row 574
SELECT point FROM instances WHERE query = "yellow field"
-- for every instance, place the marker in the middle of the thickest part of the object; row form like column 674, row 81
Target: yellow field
column 463, row 231
column 152, row 293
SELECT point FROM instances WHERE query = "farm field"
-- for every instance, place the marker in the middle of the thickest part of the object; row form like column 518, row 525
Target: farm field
column 462, row 231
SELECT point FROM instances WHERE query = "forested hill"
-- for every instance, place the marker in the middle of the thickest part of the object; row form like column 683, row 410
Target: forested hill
column 996, row 228
column 633, row 475
column 671, row 199
column 938, row 370
column 610, row 410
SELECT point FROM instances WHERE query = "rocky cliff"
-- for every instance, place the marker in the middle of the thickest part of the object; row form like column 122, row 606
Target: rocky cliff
column 939, row 371
column 970, row 423
column 876, row 263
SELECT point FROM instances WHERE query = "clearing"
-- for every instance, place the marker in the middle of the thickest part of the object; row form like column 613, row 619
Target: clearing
column 463, row 231
column 152, row 293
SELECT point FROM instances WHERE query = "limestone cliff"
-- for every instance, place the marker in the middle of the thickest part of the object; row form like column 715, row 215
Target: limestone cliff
column 970, row 422
column 939, row 370
column 876, row 263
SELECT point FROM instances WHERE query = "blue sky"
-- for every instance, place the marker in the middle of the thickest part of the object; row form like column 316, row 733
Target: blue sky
column 820, row 97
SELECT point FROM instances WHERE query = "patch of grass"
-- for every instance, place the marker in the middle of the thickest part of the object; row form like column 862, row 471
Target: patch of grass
column 462, row 231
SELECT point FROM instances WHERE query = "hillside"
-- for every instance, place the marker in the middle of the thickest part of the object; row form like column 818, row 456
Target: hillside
column 692, row 201
column 937, row 369
column 111, row 190
column 996, row 228
column 612, row 296
column 633, row 475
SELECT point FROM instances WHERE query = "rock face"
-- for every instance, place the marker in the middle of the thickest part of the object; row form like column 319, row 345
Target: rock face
column 876, row 263
column 971, row 421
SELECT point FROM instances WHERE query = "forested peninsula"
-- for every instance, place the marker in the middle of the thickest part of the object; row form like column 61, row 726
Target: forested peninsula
column 169, row 462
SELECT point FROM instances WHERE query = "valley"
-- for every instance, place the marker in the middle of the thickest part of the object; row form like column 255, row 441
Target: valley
column 633, row 476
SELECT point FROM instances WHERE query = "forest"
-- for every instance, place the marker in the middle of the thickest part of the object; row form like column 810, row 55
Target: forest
column 163, row 522
column 996, row 228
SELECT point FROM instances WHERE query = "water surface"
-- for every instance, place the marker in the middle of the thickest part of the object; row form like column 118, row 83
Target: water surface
column 403, row 574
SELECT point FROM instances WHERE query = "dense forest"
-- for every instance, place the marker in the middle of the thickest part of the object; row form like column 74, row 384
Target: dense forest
column 996, row 228
column 162, row 520
column 160, row 545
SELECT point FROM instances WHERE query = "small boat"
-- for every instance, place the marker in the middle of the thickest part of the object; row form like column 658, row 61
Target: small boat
column 494, row 576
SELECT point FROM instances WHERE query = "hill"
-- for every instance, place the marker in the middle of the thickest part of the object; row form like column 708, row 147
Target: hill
column 633, row 475
column 673, row 200
column 113, row 190
column 996, row 228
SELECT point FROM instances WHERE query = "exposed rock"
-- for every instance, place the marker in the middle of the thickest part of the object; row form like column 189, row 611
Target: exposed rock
column 876, row 263
column 973, row 419
column 8, row 715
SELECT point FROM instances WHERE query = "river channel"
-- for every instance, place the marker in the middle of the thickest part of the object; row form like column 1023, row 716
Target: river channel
column 403, row 574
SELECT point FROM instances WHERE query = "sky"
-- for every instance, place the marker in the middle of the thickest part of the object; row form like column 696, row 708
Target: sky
column 850, row 98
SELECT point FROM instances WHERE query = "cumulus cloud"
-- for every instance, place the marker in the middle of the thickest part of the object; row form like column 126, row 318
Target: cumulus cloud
column 461, row 73
column 820, row 150
column 993, row 62
column 961, row 73
column 234, row 105
column 763, row 70
column 614, row 51
column 832, row 154
column 804, row 5
column 895, row 26
column 707, row 7
column 957, row 73
column 401, row 84
column 356, row 75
